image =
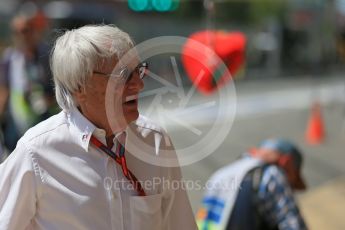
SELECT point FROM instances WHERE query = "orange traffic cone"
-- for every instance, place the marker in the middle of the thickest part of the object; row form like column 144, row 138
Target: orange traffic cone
column 315, row 132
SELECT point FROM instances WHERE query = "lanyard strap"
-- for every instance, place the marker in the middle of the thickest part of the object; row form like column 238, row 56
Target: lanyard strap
column 121, row 160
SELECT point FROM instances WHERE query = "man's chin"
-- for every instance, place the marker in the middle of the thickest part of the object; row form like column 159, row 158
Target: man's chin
column 132, row 116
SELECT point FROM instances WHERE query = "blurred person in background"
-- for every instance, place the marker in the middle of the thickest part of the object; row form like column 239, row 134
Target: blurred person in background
column 26, row 87
column 76, row 170
column 2, row 151
column 256, row 191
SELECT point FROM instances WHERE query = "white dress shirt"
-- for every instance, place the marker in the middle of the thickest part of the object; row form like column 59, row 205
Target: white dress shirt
column 57, row 179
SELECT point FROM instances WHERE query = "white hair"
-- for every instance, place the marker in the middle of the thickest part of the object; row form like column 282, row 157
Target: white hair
column 77, row 52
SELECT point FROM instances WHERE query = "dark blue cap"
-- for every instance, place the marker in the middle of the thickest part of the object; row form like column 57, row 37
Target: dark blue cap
column 285, row 147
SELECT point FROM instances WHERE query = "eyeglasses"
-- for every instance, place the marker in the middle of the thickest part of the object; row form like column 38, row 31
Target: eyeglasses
column 126, row 74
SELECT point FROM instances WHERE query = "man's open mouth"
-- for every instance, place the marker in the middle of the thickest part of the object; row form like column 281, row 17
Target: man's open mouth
column 131, row 99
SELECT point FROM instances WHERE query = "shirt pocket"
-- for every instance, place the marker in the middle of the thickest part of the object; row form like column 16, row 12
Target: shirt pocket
column 146, row 212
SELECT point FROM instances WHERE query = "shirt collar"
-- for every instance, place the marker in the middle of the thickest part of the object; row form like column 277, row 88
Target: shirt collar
column 81, row 128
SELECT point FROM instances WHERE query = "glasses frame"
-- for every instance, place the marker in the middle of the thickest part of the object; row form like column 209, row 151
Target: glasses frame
column 126, row 74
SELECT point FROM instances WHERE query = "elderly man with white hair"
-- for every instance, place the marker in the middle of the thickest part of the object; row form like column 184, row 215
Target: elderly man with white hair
column 81, row 169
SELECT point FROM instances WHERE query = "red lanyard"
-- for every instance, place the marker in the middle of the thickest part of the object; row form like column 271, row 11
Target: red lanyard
column 121, row 160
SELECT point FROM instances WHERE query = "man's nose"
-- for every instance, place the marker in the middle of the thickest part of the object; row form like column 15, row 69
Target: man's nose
column 135, row 82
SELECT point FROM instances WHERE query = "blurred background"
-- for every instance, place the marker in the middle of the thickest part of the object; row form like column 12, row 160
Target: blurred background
column 294, row 63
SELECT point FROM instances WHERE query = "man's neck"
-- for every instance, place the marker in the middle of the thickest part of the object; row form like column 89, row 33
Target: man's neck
column 110, row 141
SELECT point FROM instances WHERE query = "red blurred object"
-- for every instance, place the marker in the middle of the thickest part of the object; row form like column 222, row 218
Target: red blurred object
column 315, row 133
column 40, row 21
column 203, row 53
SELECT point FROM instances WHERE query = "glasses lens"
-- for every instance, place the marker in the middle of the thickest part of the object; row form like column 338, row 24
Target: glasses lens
column 125, row 74
column 142, row 68
column 141, row 71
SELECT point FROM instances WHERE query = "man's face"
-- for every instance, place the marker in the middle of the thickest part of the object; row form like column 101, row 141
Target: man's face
column 25, row 34
column 124, row 101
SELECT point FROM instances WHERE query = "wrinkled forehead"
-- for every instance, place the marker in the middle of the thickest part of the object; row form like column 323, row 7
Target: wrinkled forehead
column 130, row 59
